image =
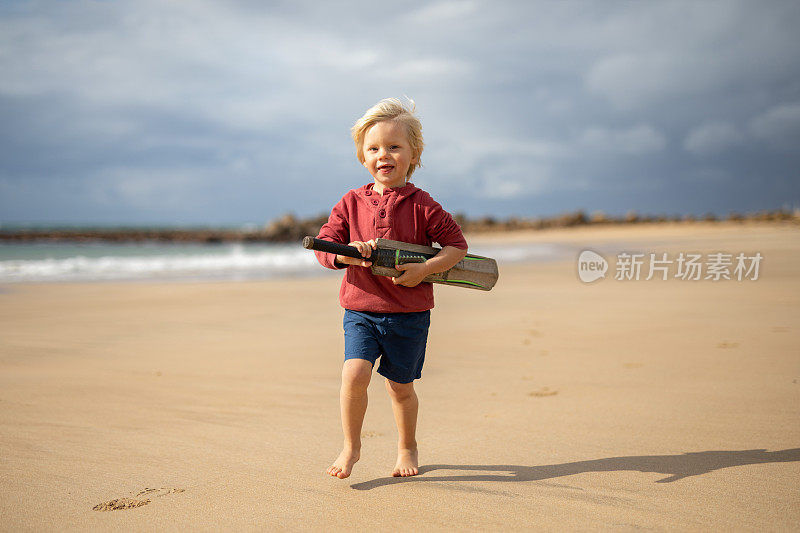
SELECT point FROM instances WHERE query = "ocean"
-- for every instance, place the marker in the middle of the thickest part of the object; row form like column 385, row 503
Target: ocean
column 40, row 262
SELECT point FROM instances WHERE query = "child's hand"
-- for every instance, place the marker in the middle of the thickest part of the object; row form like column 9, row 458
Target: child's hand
column 366, row 250
column 413, row 274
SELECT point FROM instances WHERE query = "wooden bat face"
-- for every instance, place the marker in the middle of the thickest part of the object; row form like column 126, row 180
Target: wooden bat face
column 472, row 272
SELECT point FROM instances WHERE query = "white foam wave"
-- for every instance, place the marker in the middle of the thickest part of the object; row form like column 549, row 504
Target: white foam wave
column 231, row 262
column 511, row 253
column 236, row 262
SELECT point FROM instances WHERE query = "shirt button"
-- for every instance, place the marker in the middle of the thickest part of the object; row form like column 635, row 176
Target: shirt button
column 368, row 193
column 374, row 202
column 383, row 213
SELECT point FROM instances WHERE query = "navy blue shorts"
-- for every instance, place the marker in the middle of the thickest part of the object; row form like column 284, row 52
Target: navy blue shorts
column 399, row 339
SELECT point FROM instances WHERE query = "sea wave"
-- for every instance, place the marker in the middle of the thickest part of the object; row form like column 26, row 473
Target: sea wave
column 235, row 262
column 165, row 263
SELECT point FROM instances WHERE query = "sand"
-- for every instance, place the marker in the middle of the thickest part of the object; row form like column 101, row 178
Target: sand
column 545, row 404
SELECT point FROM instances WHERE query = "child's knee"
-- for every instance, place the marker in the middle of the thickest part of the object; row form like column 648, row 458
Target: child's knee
column 400, row 391
column 356, row 373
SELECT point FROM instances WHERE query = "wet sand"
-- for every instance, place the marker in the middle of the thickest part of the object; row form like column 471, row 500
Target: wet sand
column 546, row 403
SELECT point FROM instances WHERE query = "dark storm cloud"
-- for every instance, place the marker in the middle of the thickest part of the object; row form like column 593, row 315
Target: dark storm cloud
column 232, row 112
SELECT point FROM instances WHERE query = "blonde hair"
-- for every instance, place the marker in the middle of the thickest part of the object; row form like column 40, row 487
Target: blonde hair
column 391, row 109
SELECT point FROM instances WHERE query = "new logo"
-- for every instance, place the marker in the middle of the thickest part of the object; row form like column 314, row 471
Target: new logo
column 591, row 266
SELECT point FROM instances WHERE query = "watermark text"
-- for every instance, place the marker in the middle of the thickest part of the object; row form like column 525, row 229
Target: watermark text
column 685, row 266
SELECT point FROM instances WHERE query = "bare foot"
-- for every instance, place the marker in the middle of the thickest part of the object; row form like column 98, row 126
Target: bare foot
column 407, row 464
column 343, row 464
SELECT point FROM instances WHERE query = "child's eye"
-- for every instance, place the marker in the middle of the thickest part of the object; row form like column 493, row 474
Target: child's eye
column 394, row 147
column 372, row 149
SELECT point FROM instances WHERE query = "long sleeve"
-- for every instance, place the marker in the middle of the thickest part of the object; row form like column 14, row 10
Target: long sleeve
column 443, row 229
column 335, row 230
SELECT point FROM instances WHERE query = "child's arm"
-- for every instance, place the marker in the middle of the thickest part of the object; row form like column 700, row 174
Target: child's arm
column 414, row 273
column 337, row 229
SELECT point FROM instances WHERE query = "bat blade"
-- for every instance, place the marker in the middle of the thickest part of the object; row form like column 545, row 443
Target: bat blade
column 472, row 272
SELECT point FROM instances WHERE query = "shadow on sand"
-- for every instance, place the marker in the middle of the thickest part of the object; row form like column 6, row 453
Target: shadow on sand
column 675, row 466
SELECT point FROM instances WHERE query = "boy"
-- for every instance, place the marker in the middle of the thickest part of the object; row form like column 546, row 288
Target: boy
column 386, row 318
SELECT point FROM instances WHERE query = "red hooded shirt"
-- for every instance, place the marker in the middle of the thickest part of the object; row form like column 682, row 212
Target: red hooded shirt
column 406, row 214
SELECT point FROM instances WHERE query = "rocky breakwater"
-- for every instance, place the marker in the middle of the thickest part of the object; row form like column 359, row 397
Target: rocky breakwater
column 289, row 228
column 581, row 218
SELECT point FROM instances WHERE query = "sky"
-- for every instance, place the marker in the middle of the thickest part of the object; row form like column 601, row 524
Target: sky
column 227, row 113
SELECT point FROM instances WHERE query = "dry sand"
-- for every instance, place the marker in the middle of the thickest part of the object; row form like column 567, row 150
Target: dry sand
column 545, row 404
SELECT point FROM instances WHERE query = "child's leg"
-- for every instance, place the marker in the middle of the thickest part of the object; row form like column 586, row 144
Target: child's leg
column 356, row 374
column 405, row 406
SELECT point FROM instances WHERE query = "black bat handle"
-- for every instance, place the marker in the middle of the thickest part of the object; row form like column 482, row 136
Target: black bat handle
column 311, row 243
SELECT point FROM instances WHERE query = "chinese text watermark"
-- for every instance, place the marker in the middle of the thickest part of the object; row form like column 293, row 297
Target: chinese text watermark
column 683, row 266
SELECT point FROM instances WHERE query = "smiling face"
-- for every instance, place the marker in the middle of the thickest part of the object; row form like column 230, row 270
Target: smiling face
column 388, row 154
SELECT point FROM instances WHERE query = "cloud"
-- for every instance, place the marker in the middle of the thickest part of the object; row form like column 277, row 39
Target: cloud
column 161, row 187
column 514, row 148
column 234, row 101
column 779, row 126
column 668, row 51
column 637, row 140
column 442, row 12
column 427, row 67
column 630, row 80
column 512, row 178
column 713, row 137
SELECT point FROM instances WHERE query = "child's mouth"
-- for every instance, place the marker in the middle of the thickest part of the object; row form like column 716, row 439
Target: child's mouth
column 385, row 169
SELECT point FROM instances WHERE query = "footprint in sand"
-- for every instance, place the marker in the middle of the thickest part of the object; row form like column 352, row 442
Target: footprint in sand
column 541, row 393
column 532, row 333
column 120, row 503
column 131, row 503
column 727, row 344
column 368, row 434
column 163, row 491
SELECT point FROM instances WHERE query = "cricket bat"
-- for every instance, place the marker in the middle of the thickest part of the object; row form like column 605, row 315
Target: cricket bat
column 472, row 272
